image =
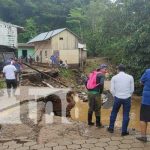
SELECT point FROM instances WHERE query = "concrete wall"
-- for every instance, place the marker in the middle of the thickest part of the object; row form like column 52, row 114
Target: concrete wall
column 30, row 51
column 84, row 55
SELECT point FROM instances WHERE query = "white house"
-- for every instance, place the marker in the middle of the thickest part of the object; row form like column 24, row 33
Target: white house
column 8, row 34
column 8, row 41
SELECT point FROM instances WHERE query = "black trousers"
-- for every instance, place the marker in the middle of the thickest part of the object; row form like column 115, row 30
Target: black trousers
column 11, row 83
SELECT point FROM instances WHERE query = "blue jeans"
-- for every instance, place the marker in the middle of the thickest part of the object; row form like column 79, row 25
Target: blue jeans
column 126, row 110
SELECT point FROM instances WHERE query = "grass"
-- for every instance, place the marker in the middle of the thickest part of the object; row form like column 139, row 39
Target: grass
column 2, row 84
column 66, row 73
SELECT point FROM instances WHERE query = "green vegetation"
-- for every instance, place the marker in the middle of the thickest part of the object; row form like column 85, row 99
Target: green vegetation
column 66, row 73
column 2, row 84
column 119, row 30
column 93, row 63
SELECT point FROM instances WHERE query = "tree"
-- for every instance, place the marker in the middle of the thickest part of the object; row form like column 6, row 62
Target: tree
column 30, row 31
column 75, row 20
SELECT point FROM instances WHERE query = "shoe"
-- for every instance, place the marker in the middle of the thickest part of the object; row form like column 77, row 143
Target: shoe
column 124, row 133
column 110, row 130
column 99, row 125
column 91, row 123
column 98, row 122
column 143, row 139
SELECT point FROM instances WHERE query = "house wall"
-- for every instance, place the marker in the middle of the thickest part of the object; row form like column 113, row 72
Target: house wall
column 30, row 51
column 43, row 50
column 68, row 48
column 8, row 35
column 72, row 56
column 69, row 41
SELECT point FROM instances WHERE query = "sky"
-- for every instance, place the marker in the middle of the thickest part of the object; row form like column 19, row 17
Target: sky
column 113, row 0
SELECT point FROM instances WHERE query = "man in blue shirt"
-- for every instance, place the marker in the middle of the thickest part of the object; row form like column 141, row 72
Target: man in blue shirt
column 145, row 105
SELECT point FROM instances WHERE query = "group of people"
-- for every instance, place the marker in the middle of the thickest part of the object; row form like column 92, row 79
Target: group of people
column 122, row 88
column 56, row 61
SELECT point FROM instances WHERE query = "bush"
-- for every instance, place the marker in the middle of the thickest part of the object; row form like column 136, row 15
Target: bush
column 66, row 73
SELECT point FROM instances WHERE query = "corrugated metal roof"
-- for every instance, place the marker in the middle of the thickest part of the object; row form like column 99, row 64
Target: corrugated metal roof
column 46, row 35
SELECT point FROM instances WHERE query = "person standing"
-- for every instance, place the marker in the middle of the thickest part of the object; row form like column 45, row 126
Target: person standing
column 37, row 58
column 94, row 94
column 9, row 72
column 122, row 88
column 66, row 64
column 18, row 72
column 30, row 60
column 145, row 105
column 52, row 60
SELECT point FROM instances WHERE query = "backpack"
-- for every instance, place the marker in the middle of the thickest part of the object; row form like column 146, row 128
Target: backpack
column 91, row 82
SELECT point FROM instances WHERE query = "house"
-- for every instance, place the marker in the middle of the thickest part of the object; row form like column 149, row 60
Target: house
column 25, row 50
column 9, row 34
column 8, row 41
column 61, row 42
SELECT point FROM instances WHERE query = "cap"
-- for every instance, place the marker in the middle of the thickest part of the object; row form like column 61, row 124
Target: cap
column 103, row 66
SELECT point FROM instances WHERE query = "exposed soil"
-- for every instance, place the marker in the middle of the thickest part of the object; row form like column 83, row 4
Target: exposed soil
column 41, row 131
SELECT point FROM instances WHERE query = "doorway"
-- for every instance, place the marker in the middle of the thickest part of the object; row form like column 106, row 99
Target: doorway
column 24, row 54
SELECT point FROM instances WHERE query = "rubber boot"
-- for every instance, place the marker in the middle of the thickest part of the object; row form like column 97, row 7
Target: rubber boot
column 98, row 122
column 90, row 123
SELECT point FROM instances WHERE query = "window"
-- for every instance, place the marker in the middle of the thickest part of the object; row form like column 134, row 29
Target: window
column 61, row 38
column 45, row 53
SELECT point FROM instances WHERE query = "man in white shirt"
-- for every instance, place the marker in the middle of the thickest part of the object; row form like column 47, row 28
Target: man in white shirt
column 122, row 88
column 9, row 72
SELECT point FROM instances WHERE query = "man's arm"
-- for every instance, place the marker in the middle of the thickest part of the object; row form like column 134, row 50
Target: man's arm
column 143, row 78
column 100, row 81
column 15, row 71
column 132, row 85
column 3, row 72
column 112, row 87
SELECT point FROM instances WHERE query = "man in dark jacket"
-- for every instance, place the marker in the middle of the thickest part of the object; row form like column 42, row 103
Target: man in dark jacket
column 94, row 97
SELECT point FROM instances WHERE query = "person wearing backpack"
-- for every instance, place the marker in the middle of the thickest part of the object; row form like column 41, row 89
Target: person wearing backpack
column 95, row 85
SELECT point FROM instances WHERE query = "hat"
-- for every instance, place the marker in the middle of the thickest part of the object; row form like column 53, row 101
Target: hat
column 102, row 66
